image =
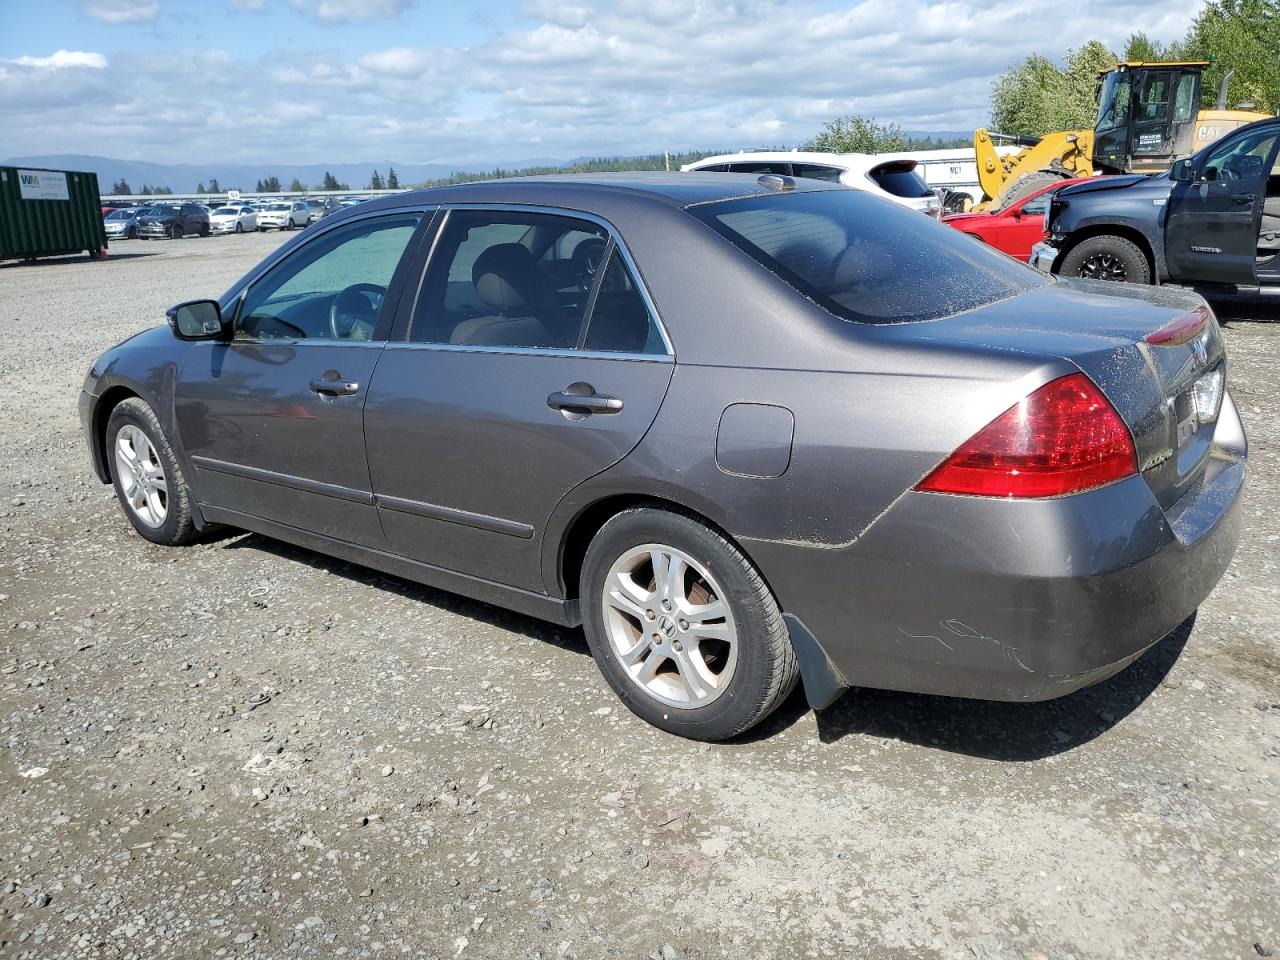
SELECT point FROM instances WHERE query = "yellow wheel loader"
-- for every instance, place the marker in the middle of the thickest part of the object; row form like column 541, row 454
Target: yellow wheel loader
column 1148, row 117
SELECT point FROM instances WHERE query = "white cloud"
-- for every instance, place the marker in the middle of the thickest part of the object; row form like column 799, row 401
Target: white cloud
column 625, row 77
column 332, row 12
column 61, row 59
column 253, row 6
column 123, row 11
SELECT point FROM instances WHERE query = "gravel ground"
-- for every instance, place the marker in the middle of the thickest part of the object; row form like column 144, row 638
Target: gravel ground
column 243, row 749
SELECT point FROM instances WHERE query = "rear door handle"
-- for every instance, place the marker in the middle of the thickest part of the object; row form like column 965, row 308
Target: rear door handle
column 334, row 388
column 583, row 403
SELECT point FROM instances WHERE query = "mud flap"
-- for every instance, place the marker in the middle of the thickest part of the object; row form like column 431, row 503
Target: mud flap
column 823, row 683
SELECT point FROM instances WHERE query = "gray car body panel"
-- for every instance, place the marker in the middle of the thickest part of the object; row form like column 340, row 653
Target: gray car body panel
column 881, row 585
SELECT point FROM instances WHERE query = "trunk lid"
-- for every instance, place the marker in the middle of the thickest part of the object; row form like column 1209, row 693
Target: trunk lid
column 1103, row 329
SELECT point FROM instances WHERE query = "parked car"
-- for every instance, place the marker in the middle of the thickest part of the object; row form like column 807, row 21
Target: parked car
column 233, row 219
column 896, row 178
column 318, row 207
column 174, row 220
column 1212, row 220
column 894, row 457
column 286, row 215
column 122, row 223
column 1015, row 228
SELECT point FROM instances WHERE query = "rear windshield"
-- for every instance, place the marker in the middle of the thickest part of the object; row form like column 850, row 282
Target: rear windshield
column 864, row 258
column 901, row 181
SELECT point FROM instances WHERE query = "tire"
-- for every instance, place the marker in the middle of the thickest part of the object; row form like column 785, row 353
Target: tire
column 239, row 227
column 175, row 232
column 204, row 230
column 705, row 686
column 165, row 517
column 133, row 234
column 1107, row 257
column 1024, row 186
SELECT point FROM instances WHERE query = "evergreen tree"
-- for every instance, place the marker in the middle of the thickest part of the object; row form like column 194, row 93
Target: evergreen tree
column 213, row 185
column 200, row 187
column 121, row 187
column 393, row 182
column 296, row 186
column 376, row 182
column 330, row 182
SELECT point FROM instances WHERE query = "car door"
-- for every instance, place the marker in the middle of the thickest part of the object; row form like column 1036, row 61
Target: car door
column 1211, row 225
column 1022, row 227
column 532, row 360
column 272, row 418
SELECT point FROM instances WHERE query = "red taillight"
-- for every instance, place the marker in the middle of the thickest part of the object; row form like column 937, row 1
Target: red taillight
column 1064, row 438
column 1180, row 329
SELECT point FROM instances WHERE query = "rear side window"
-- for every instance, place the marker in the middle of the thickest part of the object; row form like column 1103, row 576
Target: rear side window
column 761, row 166
column 865, row 259
column 620, row 319
column 901, row 180
column 817, row 171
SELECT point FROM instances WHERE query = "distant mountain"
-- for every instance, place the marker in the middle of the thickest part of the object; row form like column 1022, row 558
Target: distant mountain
column 183, row 178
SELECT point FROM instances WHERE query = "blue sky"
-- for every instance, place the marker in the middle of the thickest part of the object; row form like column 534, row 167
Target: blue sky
column 302, row 81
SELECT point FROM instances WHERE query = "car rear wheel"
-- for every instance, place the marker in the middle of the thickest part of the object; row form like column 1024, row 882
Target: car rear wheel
column 1107, row 258
column 148, row 481
column 239, row 228
column 682, row 625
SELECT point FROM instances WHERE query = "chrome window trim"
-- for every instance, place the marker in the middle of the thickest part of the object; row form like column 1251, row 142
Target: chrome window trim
column 446, row 208
column 565, row 352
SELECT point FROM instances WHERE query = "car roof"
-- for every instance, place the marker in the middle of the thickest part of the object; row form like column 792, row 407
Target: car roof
column 591, row 191
column 855, row 162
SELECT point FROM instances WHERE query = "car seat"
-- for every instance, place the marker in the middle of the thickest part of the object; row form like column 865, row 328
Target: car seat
column 508, row 282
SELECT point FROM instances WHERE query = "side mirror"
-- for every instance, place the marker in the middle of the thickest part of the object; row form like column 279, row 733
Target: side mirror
column 196, row 320
column 1181, row 170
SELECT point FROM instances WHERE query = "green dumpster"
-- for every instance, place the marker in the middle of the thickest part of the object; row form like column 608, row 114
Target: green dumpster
column 49, row 213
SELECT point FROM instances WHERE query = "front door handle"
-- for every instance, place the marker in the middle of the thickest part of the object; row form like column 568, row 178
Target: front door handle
column 334, row 388
column 1243, row 201
column 591, row 402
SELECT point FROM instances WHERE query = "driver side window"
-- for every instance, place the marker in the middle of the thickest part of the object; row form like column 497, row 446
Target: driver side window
column 1241, row 159
column 331, row 288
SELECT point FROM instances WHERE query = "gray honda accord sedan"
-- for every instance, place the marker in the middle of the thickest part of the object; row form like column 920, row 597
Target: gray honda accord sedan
column 745, row 431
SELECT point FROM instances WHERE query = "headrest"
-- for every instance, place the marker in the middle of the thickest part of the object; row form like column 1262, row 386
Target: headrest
column 505, row 276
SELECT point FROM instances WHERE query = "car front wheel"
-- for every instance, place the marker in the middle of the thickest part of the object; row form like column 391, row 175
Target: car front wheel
column 148, row 481
column 682, row 625
column 1107, row 258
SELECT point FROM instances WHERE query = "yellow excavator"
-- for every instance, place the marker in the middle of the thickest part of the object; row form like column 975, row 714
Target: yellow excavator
column 1148, row 117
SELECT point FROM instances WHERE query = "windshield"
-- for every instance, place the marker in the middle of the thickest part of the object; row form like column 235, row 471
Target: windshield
column 1113, row 101
column 278, row 206
column 121, row 214
column 863, row 258
column 226, row 212
column 163, row 212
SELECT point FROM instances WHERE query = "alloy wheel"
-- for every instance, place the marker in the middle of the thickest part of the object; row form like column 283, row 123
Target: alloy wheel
column 1104, row 266
column 670, row 625
column 141, row 476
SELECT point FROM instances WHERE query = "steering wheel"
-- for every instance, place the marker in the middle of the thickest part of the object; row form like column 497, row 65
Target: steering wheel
column 354, row 311
column 586, row 259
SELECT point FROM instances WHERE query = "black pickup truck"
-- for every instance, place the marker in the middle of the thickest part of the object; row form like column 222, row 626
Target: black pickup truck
column 1211, row 221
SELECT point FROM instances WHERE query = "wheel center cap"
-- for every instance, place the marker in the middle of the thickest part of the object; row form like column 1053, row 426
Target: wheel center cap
column 667, row 626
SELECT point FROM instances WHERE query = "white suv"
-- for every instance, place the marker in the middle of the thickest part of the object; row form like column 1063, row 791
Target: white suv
column 284, row 214
column 894, row 178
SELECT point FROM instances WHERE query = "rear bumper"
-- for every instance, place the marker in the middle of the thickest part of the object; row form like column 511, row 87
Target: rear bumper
column 1011, row 600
